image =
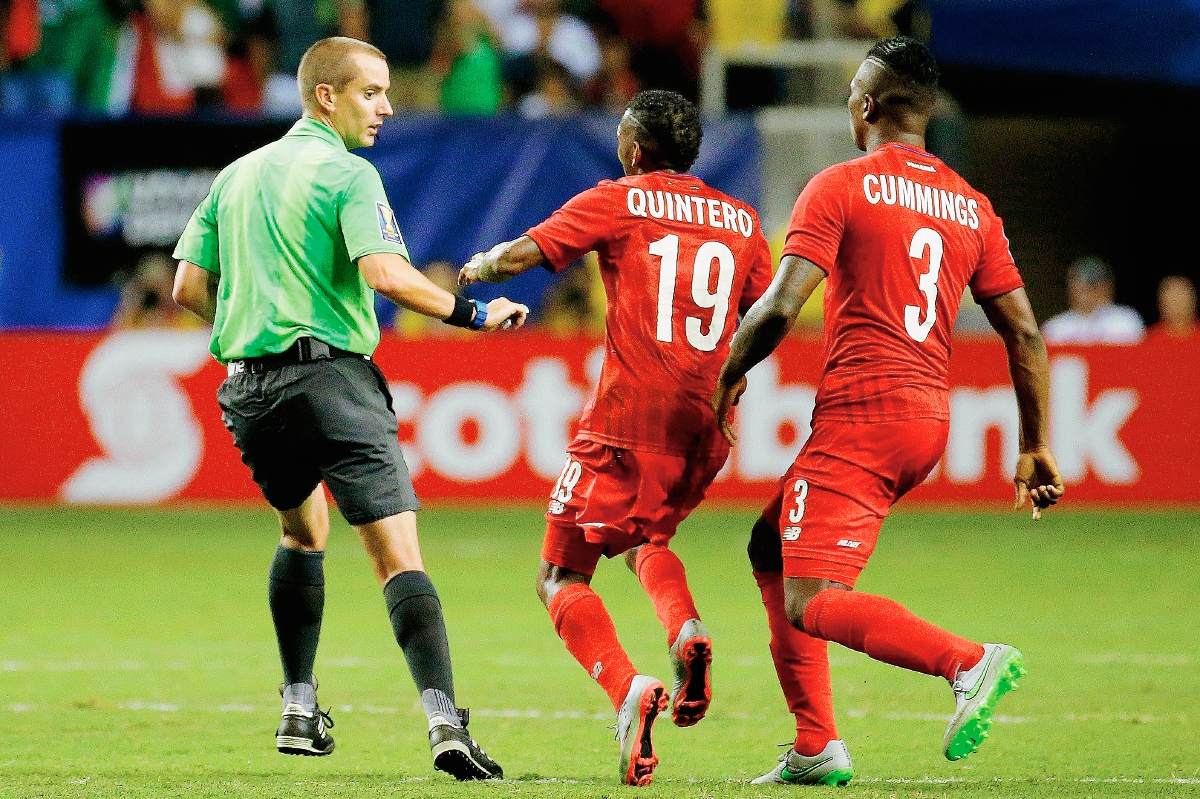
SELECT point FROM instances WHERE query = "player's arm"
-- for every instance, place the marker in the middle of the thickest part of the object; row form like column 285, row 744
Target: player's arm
column 1037, row 477
column 503, row 262
column 763, row 327
column 196, row 290
column 394, row 277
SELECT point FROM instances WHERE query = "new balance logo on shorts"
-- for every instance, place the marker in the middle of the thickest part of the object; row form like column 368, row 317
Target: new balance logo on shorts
column 791, row 534
column 556, row 506
column 848, row 544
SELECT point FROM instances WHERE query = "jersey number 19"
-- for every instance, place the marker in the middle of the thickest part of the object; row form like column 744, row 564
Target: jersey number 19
column 667, row 248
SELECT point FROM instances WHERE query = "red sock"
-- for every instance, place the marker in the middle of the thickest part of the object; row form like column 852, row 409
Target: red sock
column 889, row 632
column 802, row 663
column 584, row 625
column 661, row 573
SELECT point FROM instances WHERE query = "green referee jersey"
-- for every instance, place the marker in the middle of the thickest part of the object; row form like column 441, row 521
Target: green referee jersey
column 282, row 227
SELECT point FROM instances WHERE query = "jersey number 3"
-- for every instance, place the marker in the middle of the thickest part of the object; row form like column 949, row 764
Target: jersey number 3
column 917, row 329
column 667, row 248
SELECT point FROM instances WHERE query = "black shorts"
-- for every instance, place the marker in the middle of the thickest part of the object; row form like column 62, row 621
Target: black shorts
column 328, row 420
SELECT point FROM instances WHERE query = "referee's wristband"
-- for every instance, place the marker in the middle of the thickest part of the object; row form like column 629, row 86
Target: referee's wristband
column 461, row 315
column 468, row 313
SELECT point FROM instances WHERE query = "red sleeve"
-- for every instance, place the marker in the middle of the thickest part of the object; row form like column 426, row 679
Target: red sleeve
column 576, row 228
column 997, row 272
column 760, row 274
column 819, row 219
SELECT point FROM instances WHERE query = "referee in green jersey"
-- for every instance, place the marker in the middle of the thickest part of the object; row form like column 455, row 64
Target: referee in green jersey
column 284, row 257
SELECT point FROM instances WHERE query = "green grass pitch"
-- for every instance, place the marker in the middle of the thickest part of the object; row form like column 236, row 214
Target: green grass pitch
column 137, row 659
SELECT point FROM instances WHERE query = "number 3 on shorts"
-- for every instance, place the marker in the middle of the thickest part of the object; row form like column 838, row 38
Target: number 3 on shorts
column 567, row 479
column 796, row 514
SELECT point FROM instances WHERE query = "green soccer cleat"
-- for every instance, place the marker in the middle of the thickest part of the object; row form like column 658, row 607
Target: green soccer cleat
column 647, row 698
column 977, row 691
column 832, row 766
column 691, row 658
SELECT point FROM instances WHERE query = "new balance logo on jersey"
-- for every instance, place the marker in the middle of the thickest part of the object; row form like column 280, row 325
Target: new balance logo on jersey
column 848, row 544
column 791, row 533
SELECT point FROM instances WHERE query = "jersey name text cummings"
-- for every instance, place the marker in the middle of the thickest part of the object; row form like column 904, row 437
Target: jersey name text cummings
column 923, row 199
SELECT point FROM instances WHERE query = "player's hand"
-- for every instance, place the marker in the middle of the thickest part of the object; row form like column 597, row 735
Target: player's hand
column 470, row 273
column 503, row 314
column 724, row 399
column 1037, row 479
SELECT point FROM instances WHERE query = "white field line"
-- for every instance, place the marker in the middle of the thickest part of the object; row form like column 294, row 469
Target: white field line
column 1157, row 659
column 533, row 713
column 1135, row 659
column 1099, row 780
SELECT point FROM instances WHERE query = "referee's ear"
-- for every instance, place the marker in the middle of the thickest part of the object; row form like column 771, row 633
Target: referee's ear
column 326, row 97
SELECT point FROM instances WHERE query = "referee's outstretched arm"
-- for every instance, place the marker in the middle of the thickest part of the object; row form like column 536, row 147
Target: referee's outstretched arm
column 395, row 278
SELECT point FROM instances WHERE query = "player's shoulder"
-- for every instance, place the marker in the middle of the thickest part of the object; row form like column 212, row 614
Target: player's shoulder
column 837, row 176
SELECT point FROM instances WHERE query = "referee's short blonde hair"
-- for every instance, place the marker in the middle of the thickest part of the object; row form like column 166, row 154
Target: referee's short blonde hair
column 330, row 61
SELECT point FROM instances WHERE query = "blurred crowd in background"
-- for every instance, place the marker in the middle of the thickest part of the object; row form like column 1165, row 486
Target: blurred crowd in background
column 538, row 57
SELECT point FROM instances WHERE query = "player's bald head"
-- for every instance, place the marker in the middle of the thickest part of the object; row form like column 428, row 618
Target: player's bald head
column 331, row 61
column 901, row 74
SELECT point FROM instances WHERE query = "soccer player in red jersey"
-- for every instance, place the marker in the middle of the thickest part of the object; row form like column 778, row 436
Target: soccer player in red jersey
column 680, row 261
column 899, row 236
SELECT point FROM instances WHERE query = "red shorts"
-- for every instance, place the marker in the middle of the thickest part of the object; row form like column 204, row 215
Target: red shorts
column 832, row 502
column 608, row 500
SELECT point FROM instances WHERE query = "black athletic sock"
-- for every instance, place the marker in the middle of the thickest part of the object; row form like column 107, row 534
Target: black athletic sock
column 416, row 615
column 297, row 596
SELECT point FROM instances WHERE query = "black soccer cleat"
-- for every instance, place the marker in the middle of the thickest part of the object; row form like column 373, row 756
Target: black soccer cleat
column 456, row 753
column 303, row 733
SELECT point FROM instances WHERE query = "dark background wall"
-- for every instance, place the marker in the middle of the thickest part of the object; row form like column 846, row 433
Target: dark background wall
column 1085, row 166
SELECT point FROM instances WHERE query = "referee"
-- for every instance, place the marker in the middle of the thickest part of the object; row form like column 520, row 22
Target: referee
column 283, row 258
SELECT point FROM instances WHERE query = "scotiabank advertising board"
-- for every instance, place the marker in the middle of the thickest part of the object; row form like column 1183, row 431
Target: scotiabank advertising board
column 132, row 418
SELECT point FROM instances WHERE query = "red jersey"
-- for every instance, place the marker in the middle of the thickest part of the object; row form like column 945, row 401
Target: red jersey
column 901, row 237
column 679, row 262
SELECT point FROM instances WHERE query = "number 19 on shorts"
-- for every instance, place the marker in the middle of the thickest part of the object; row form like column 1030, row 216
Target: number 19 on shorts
column 564, row 489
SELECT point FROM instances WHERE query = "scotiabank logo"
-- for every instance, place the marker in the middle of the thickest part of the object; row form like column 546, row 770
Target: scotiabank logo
column 141, row 417
column 153, row 442
column 1085, row 435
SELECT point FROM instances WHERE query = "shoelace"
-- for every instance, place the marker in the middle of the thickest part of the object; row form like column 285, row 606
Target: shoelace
column 464, row 718
column 324, row 714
